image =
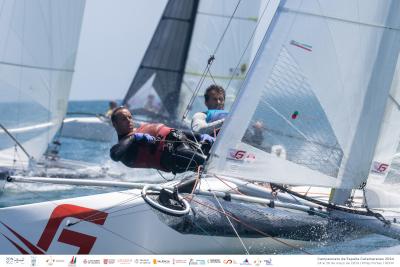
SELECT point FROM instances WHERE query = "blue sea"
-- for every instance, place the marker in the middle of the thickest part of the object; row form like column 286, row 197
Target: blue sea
column 97, row 153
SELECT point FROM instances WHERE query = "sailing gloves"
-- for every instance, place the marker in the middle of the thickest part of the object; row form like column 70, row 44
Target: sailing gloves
column 144, row 138
column 207, row 138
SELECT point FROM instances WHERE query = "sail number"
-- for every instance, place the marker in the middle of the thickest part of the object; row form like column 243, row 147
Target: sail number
column 379, row 167
column 236, row 154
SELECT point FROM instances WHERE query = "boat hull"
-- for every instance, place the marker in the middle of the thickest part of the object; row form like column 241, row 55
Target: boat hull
column 115, row 223
column 88, row 128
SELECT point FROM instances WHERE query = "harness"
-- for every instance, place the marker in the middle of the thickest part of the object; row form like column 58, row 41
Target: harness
column 149, row 156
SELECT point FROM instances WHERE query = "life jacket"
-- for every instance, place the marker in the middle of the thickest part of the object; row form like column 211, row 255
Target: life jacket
column 150, row 156
column 215, row 114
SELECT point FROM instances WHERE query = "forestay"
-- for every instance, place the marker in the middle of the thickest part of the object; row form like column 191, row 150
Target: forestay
column 319, row 86
column 212, row 20
column 38, row 45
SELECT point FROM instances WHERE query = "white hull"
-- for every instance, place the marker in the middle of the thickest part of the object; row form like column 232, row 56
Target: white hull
column 89, row 128
column 117, row 223
column 124, row 223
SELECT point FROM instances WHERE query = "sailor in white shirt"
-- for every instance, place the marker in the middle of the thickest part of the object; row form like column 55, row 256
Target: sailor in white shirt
column 210, row 121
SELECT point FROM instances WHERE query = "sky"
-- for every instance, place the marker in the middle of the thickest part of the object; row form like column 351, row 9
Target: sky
column 114, row 38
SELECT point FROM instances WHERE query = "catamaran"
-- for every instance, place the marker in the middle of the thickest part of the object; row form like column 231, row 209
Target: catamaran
column 325, row 83
column 38, row 50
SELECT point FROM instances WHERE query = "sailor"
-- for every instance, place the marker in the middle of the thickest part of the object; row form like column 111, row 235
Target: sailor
column 254, row 135
column 157, row 145
column 210, row 121
column 111, row 106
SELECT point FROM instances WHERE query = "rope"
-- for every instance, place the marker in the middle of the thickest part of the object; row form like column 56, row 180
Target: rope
column 231, row 188
column 233, row 227
column 253, row 228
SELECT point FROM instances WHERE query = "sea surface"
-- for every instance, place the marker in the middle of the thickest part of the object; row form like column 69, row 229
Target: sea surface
column 102, row 168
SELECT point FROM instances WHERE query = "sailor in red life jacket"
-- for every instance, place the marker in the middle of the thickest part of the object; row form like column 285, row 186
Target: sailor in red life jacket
column 157, row 146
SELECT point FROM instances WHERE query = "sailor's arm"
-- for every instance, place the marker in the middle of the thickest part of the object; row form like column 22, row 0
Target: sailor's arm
column 119, row 150
column 200, row 125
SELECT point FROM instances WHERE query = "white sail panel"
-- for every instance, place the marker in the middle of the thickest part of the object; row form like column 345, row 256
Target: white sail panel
column 211, row 21
column 38, row 45
column 383, row 186
column 311, row 93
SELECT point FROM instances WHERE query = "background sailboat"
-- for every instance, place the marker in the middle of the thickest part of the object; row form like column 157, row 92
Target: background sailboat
column 38, row 48
column 174, row 61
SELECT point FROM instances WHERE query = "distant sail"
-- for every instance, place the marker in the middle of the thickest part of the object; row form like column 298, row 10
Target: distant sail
column 186, row 36
column 38, row 46
column 234, row 50
column 161, row 70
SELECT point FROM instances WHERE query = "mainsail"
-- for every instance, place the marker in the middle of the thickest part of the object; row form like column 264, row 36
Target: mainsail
column 38, row 45
column 186, row 36
column 319, row 87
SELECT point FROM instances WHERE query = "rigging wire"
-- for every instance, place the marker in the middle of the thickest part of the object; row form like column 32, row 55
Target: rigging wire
column 248, row 43
column 209, row 63
column 17, row 143
column 253, row 228
column 231, row 224
column 226, row 28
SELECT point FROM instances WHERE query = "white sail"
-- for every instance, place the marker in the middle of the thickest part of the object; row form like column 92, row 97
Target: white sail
column 318, row 86
column 38, row 45
column 383, row 187
column 211, row 21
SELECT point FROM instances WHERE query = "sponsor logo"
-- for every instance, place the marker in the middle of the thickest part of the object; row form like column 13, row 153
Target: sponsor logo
column 83, row 241
column 179, row 261
column 379, row 168
column 50, row 261
column 108, row 261
column 91, row 261
column 15, row 260
column 240, row 155
column 268, row 261
column 33, row 261
column 163, row 261
column 229, row 261
column 72, row 262
column 257, row 262
column 144, row 261
column 214, row 261
column 197, row 262
column 245, row 262
column 126, row 261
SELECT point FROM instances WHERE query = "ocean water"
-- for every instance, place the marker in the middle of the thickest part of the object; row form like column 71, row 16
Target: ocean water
column 97, row 153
